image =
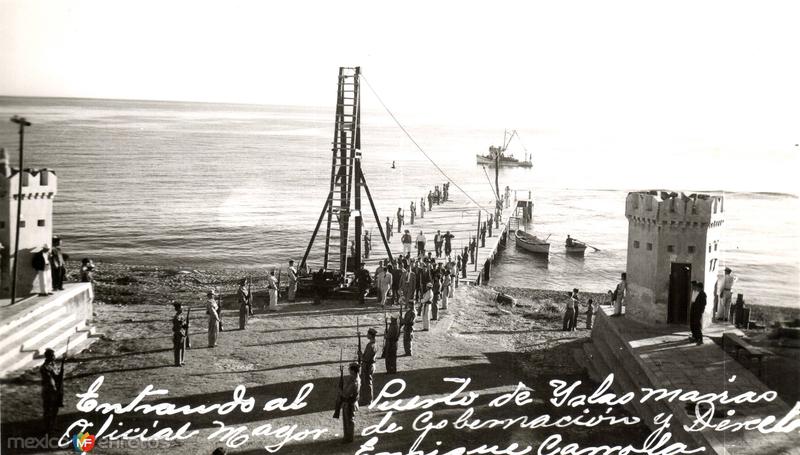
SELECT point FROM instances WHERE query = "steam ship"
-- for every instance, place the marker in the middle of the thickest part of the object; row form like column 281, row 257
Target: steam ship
column 504, row 160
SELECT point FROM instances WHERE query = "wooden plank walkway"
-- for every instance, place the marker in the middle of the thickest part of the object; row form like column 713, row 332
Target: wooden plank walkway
column 457, row 215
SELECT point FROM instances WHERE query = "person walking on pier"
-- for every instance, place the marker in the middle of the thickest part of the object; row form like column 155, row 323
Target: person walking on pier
column 212, row 310
column 386, row 284
column 473, row 245
column 292, row 271
column 696, row 312
column 446, row 283
column 368, row 368
column 179, row 328
column 620, row 293
column 397, row 273
column 413, row 211
column 420, row 245
column 425, row 303
column 483, row 234
column 390, row 339
column 422, row 207
column 437, row 243
column 406, row 241
column 408, row 333
column 448, row 246
column 464, row 257
column 408, row 285
column 430, row 200
column 388, row 230
column 348, row 396
column 52, row 385
column 399, row 220
column 244, row 303
column 272, row 287
column 490, row 223
column 569, row 312
column 436, row 280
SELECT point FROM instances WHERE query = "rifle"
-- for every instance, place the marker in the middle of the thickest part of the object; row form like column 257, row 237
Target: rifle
column 279, row 286
column 249, row 297
column 341, row 384
column 385, row 329
column 358, row 331
column 188, row 340
column 60, row 384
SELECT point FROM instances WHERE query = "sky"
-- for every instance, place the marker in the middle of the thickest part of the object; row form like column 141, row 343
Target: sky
column 644, row 77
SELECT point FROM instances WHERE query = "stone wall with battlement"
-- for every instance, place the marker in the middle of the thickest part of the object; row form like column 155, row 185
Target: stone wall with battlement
column 665, row 228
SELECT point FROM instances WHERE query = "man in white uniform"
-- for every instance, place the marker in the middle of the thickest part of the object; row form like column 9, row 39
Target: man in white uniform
column 725, row 291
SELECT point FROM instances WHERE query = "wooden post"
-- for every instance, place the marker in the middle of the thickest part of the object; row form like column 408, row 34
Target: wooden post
column 476, row 241
column 22, row 124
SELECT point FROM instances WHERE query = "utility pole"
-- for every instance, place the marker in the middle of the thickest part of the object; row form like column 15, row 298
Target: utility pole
column 22, row 124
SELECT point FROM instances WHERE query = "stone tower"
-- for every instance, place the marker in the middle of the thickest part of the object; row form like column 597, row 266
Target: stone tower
column 673, row 239
column 36, row 221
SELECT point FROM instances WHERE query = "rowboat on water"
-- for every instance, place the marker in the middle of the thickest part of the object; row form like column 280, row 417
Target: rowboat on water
column 530, row 242
column 574, row 246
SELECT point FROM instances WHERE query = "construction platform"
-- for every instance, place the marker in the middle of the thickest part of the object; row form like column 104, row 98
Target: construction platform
column 36, row 323
column 644, row 356
column 458, row 215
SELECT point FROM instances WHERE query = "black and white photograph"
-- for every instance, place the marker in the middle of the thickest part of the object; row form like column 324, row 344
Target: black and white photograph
column 410, row 228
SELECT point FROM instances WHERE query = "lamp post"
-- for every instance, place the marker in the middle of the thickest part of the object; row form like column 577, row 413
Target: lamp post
column 22, row 124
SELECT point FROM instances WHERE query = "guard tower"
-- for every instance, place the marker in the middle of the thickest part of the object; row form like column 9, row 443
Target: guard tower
column 347, row 180
column 673, row 239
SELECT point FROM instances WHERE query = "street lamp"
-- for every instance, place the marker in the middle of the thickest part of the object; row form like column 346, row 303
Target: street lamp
column 22, row 124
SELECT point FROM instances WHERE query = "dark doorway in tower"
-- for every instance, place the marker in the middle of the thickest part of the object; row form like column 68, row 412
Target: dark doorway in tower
column 680, row 292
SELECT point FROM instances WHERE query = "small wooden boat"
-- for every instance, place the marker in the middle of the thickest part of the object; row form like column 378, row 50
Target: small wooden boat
column 574, row 246
column 531, row 243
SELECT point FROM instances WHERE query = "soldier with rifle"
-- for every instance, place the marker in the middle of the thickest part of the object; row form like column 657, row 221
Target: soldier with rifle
column 219, row 306
column 52, row 388
column 212, row 310
column 363, row 283
column 367, row 360
column 179, row 329
column 390, row 337
column 188, row 316
column 348, row 397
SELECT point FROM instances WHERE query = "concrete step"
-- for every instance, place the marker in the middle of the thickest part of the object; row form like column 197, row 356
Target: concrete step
column 80, row 340
column 35, row 312
column 32, row 340
column 61, row 338
column 53, row 335
column 15, row 337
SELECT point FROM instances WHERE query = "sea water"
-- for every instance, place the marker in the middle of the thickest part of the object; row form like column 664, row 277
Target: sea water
column 214, row 185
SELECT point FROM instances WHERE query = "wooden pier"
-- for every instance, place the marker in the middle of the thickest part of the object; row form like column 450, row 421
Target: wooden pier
column 458, row 215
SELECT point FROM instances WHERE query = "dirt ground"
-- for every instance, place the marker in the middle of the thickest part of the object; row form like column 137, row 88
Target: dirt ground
column 280, row 352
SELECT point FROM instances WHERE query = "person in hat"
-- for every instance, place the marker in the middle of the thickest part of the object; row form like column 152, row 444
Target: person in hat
column 390, row 339
column 620, row 293
column 425, row 305
column 406, row 241
column 272, row 287
column 698, row 307
column 569, row 313
column 179, row 328
column 408, row 322
column 368, row 367
column 51, row 387
column 724, row 293
column 58, row 261
column 41, row 263
column 212, row 310
column 349, row 394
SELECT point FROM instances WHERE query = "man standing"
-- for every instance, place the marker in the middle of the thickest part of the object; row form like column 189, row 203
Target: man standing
column 413, row 211
column 212, row 310
column 363, row 281
column 464, row 257
column 408, row 323
column 41, row 263
column 483, row 234
column 272, row 287
column 391, row 337
column 399, row 220
column 436, row 281
column 388, row 230
column 408, row 284
column 59, row 265
column 349, row 398
column 696, row 312
column 420, row 244
column 51, row 390
column 406, row 241
column 473, row 245
column 576, row 309
column 368, row 368
column 448, row 247
column 422, row 207
column 725, row 291
column 397, row 273
column 437, row 243
column 179, row 328
column 367, row 245
column 619, row 294
column 569, row 312
column 430, row 200
column 293, row 280
column 446, row 283
column 386, row 284
column 425, row 303
column 243, row 296
column 489, row 224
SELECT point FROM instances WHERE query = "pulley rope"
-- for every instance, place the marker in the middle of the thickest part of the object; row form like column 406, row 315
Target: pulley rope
column 419, row 147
